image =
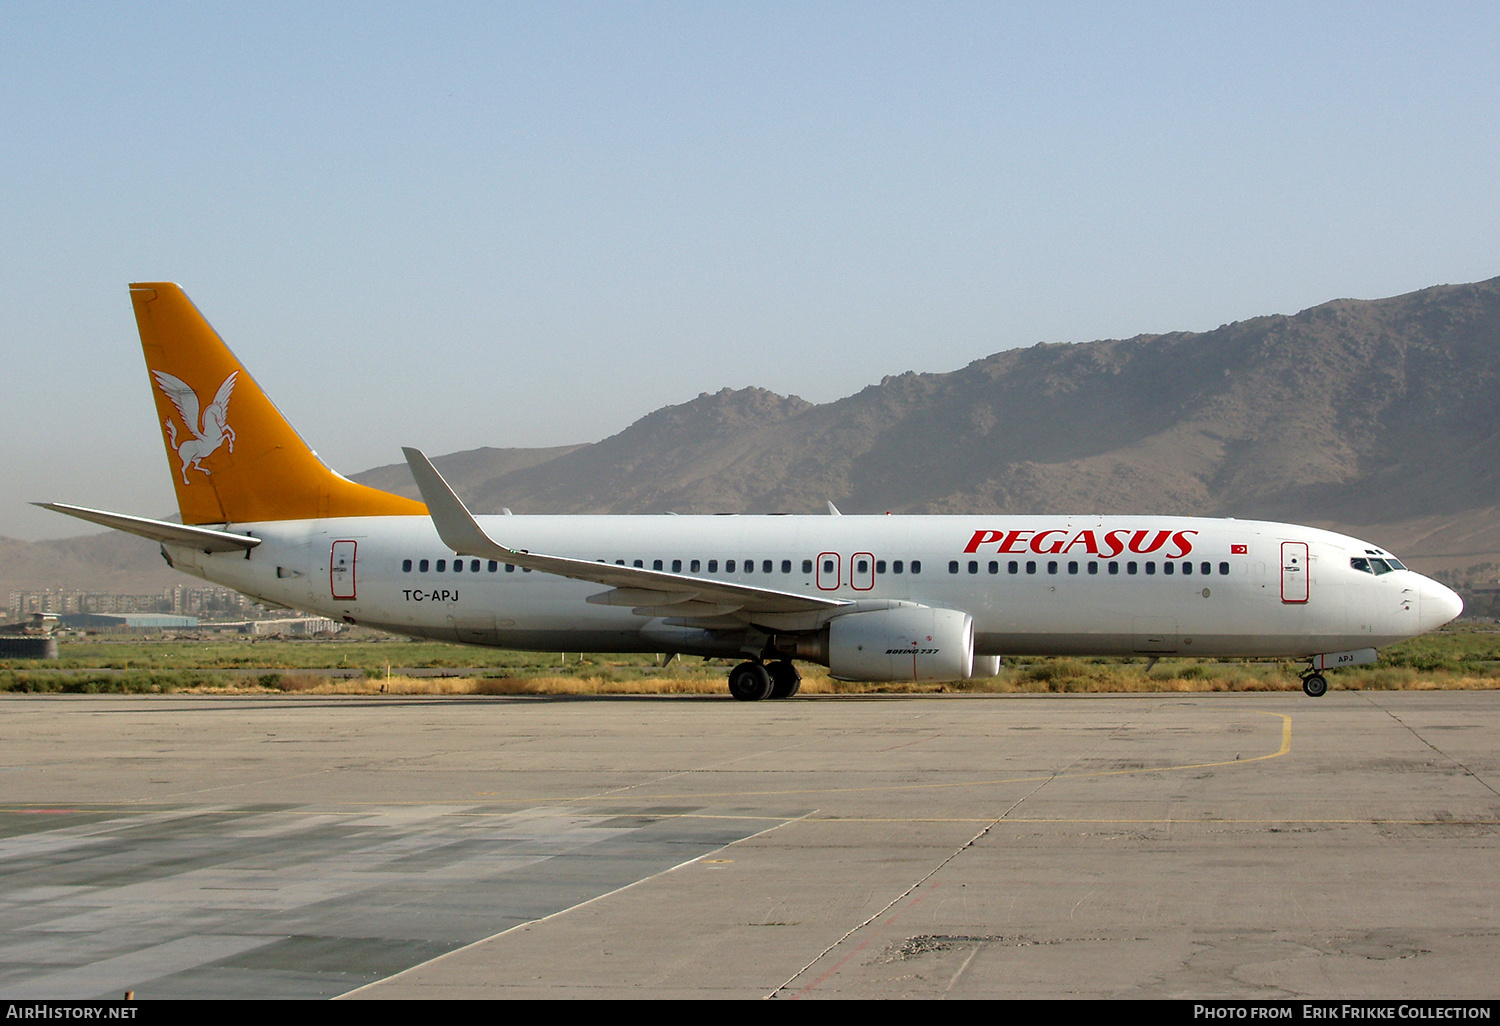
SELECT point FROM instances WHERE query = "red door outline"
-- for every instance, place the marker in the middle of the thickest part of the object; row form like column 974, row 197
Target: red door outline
column 828, row 580
column 862, row 580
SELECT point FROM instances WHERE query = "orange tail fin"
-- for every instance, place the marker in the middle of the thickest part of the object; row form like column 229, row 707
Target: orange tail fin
column 234, row 458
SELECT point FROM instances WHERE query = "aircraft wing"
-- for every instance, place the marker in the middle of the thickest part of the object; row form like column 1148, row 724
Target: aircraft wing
column 649, row 592
column 205, row 538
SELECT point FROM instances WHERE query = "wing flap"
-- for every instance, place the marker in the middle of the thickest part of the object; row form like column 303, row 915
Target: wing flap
column 639, row 597
column 698, row 609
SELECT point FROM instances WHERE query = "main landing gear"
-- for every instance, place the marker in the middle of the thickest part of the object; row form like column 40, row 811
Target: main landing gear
column 1314, row 684
column 753, row 681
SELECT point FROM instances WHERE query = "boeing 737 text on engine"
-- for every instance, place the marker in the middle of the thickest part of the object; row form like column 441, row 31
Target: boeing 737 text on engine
column 873, row 598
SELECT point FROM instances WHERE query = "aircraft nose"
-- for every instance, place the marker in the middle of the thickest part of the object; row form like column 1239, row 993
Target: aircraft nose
column 1438, row 605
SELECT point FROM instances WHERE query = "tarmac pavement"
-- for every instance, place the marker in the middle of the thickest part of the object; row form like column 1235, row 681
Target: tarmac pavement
column 1158, row 846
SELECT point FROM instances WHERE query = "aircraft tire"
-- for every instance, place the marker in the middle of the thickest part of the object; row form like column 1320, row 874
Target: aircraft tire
column 1315, row 685
column 785, row 680
column 750, row 682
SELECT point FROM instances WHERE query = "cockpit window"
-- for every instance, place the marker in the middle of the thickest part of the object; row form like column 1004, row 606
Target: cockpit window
column 1380, row 566
column 1375, row 566
column 1396, row 564
column 1361, row 564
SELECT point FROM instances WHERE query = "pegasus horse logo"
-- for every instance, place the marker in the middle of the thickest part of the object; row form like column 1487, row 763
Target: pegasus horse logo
column 214, row 429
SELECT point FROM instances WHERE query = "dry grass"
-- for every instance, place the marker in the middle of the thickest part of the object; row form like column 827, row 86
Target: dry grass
column 1042, row 676
column 1463, row 658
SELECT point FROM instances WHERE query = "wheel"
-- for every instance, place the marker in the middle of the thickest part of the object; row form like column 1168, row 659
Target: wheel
column 1315, row 685
column 750, row 682
column 785, row 680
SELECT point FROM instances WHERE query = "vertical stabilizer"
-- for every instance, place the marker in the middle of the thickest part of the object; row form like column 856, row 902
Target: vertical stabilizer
column 233, row 456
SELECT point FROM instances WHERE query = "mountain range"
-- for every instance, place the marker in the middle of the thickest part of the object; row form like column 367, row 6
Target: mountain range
column 1377, row 417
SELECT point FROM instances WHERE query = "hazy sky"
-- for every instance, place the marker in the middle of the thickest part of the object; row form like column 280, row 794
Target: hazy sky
column 526, row 224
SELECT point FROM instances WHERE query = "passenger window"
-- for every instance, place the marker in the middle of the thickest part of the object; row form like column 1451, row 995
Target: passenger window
column 1093, row 566
column 1072, row 566
column 406, row 566
column 619, row 562
column 677, row 566
column 880, row 566
column 422, row 566
column 473, row 566
column 786, row 566
column 1150, row 567
column 442, row 565
column 863, row 566
column 765, row 566
column 1168, row 568
column 1223, row 568
column 1114, row 567
column 656, row 564
column 807, row 566
column 493, row 566
column 973, row 566
column 696, row 565
column 713, row 566
column 897, row 566
column 1187, row 567
column 458, row 566
column 1052, row 566
column 510, row 568
column 828, row 566
column 953, row 566
column 916, row 566
column 1031, row 566
column 638, row 564
column 994, row 566
column 1013, row 567
column 1130, row 567
column 1207, row 568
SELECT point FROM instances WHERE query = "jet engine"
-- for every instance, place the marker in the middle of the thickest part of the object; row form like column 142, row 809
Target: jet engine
column 905, row 643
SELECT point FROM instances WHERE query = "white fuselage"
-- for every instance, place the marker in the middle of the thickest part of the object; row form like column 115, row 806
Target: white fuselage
column 1034, row 585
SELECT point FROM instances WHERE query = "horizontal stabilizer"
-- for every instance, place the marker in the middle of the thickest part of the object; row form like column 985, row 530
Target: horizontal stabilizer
column 204, row 538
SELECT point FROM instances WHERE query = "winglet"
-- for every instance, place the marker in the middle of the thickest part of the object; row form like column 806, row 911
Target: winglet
column 833, row 510
column 455, row 524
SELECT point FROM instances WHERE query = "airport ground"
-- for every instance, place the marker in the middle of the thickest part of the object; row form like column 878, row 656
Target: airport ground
column 1232, row 845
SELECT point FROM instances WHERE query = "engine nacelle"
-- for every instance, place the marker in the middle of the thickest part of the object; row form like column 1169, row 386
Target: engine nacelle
column 906, row 643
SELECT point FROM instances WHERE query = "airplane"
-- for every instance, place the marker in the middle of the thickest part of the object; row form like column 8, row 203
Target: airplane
column 872, row 598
